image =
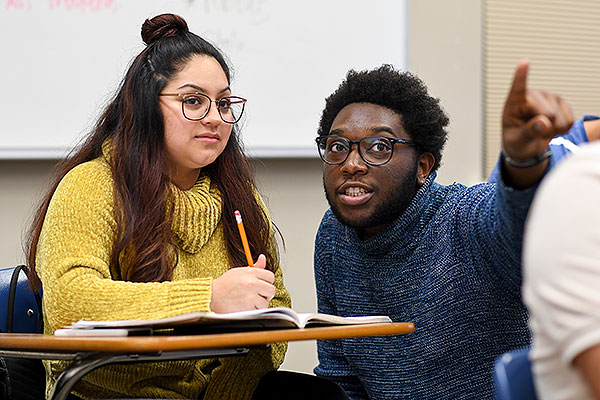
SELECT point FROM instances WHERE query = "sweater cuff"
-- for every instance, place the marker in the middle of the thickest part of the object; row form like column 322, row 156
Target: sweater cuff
column 190, row 295
column 500, row 178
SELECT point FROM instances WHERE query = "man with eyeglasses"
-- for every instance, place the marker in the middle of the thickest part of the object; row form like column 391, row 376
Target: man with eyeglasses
column 397, row 243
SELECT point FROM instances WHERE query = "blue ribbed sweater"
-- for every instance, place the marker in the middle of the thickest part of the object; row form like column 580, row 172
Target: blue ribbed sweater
column 450, row 264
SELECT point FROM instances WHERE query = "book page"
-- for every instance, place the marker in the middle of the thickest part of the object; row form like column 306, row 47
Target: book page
column 275, row 317
column 275, row 313
column 307, row 319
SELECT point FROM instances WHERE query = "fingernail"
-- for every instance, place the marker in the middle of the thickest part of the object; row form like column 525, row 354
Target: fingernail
column 538, row 126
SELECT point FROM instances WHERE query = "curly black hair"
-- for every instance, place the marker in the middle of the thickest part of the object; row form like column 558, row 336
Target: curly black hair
column 422, row 116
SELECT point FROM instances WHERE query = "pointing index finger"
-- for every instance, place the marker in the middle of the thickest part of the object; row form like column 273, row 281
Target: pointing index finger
column 519, row 83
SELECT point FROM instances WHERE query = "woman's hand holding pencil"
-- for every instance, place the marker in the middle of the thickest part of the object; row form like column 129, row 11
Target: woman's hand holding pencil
column 243, row 288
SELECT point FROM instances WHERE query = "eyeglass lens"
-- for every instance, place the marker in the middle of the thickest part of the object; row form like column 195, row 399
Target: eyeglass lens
column 373, row 150
column 196, row 106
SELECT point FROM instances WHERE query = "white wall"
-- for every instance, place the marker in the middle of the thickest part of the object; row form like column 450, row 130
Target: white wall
column 21, row 184
column 444, row 50
column 294, row 195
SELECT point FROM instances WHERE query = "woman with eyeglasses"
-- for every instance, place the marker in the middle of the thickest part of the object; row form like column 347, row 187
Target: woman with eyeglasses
column 139, row 222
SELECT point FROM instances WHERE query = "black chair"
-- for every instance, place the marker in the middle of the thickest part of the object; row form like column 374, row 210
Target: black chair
column 20, row 312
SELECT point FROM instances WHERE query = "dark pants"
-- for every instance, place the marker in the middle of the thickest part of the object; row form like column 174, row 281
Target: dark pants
column 297, row 386
column 291, row 386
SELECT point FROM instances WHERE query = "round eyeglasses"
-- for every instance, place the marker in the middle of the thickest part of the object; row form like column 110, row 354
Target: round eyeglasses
column 374, row 150
column 196, row 106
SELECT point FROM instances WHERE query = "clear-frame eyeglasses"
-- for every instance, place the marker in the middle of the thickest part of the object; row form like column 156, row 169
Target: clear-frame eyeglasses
column 374, row 150
column 196, row 106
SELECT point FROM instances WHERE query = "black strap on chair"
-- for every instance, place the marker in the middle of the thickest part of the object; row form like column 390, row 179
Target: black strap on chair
column 23, row 306
column 20, row 312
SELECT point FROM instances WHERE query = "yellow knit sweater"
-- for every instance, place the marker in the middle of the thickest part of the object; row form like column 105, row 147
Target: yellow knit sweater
column 73, row 261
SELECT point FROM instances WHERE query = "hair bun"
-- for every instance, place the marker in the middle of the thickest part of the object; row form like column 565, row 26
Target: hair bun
column 161, row 26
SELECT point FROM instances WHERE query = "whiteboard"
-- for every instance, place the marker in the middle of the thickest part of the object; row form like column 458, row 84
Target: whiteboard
column 62, row 60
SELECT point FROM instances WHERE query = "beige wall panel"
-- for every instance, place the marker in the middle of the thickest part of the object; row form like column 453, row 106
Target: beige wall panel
column 445, row 52
column 558, row 37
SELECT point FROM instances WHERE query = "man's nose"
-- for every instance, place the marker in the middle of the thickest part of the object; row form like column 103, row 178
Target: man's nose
column 354, row 164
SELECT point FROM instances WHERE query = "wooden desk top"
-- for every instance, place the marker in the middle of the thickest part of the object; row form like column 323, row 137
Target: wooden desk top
column 141, row 344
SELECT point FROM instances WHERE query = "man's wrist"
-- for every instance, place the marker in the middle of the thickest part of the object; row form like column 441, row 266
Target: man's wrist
column 537, row 159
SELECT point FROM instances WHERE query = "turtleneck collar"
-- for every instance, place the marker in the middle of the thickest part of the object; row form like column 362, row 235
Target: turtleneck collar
column 196, row 214
column 401, row 232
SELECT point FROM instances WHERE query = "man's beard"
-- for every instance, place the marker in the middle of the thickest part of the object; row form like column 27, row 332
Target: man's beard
column 390, row 208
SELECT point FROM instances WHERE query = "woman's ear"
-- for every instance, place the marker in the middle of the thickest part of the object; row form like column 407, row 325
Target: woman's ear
column 426, row 162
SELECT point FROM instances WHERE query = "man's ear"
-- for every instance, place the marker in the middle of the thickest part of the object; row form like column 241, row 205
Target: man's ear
column 426, row 162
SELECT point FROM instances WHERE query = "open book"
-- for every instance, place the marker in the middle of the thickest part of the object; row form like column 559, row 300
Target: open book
column 201, row 322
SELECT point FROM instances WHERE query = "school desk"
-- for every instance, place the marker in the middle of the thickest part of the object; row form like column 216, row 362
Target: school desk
column 89, row 353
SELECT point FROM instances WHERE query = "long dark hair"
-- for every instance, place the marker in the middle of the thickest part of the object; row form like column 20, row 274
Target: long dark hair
column 133, row 123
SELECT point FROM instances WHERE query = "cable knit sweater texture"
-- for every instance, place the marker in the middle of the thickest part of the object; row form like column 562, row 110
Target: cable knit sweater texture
column 450, row 264
column 73, row 262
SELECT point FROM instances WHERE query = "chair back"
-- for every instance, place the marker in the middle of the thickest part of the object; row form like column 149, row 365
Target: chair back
column 20, row 307
column 20, row 312
column 513, row 379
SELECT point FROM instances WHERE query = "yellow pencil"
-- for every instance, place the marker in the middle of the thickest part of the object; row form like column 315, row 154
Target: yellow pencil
column 240, row 224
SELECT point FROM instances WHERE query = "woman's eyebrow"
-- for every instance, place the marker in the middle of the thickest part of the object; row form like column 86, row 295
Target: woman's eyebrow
column 193, row 86
column 201, row 89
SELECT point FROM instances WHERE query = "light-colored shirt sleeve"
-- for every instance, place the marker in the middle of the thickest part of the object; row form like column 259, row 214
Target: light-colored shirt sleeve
column 561, row 268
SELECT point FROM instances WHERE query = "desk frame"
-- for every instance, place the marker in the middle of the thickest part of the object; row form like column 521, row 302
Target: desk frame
column 86, row 362
column 89, row 353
